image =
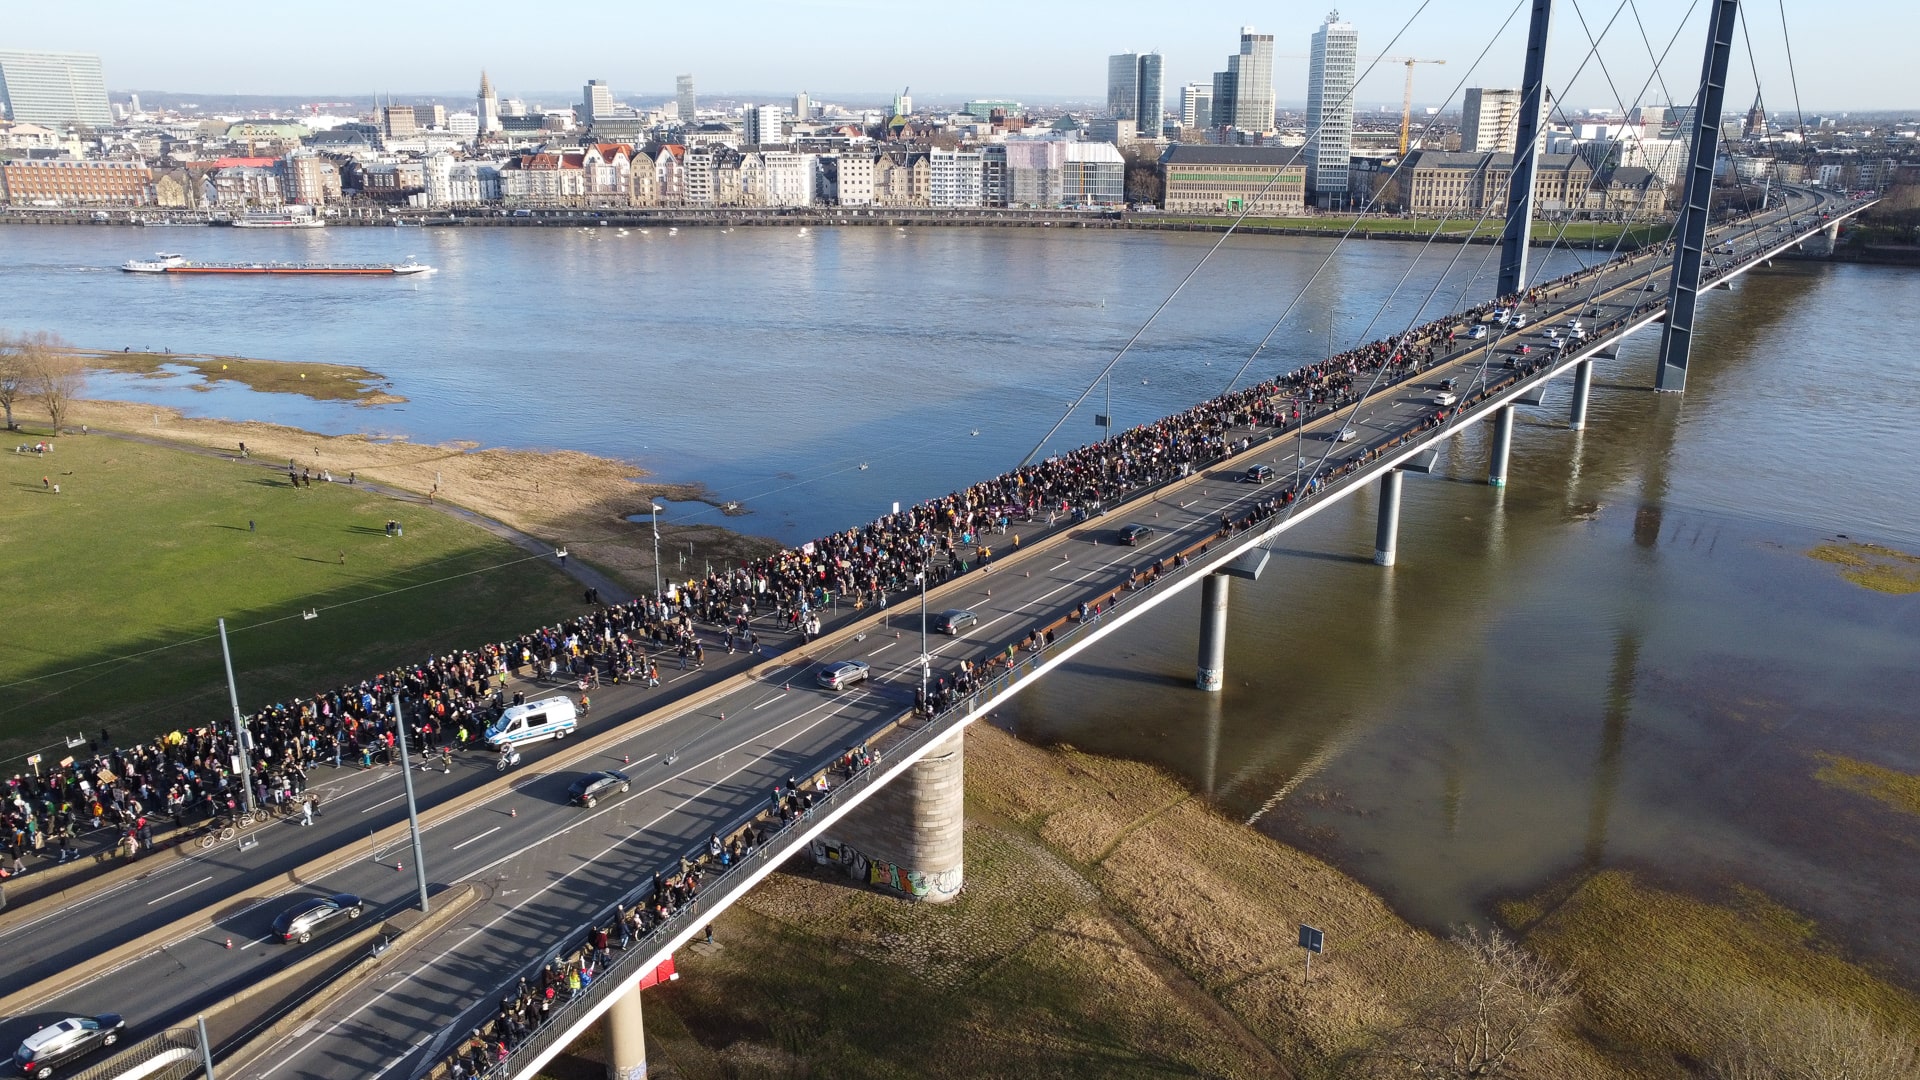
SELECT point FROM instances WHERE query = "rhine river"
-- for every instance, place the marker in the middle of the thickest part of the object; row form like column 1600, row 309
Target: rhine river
column 1624, row 658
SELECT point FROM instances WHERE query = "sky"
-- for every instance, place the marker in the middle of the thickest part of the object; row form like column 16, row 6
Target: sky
column 950, row 52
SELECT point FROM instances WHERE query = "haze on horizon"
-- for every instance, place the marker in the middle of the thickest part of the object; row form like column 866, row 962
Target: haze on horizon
column 869, row 50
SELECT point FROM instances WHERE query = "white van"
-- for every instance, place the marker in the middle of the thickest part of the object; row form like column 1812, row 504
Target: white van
column 548, row 718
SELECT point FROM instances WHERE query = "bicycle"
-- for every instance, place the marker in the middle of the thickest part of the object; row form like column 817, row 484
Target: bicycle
column 217, row 832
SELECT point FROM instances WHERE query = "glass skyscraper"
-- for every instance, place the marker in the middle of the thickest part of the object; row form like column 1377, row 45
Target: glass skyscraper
column 1134, row 91
column 1331, row 69
column 54, row 88
column 1243, row 94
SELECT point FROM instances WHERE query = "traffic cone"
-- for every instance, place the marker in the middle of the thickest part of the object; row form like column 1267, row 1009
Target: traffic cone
column 626, row 759
column 513, row 811
column 229, row 943
column 1029, row 573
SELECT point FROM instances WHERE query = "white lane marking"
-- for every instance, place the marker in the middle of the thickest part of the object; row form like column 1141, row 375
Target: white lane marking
column 255, row 941
column 883, row 648
column 384, row 802
column 482, row 836
column 180, row 890
column 490, row 923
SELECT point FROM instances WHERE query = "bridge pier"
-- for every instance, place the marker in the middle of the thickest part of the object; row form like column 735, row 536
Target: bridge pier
column 1213, row 632
column 912, row 831
column 1386, row 535
column 626, row 1037
column 1582, row 385
column 1502, row 444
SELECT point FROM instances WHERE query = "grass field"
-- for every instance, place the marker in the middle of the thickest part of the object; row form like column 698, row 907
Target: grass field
column 114, row 584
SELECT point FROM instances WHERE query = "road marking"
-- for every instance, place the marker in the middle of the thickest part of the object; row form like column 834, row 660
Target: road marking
column 255, row 941
column 384, row 802
column 482, row 836
column 883, row 648
column 180, row 890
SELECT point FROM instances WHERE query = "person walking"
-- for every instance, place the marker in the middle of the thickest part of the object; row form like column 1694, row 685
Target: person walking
column 306, row 811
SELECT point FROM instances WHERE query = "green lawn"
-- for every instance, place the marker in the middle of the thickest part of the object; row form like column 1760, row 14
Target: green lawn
column 113, row 586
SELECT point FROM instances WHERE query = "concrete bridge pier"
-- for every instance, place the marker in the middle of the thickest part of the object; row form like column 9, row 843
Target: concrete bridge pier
column 1213, row 615
column 626, row 1037
column 1582, row 385
column 1386, row 535
column 1502, row 445
column 913, row 831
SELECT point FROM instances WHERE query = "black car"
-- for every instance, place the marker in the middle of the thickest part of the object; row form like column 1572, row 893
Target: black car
column 69, row 1040
column 1132, row 534
column 953, row 620
column 314, row 914
column 588, row 789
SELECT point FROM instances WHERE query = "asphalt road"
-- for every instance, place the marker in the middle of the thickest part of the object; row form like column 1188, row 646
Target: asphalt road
column 553, row 866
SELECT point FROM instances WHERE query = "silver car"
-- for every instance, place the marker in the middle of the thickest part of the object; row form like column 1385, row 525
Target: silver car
column 844, row 673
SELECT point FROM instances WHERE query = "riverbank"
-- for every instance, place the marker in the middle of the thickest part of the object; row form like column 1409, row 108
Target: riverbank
column 1114, row 924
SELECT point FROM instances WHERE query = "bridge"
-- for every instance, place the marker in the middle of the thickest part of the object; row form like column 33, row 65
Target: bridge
column 522, row 879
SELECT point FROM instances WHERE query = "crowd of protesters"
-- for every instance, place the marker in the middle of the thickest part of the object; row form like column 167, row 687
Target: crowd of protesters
column 189, row 775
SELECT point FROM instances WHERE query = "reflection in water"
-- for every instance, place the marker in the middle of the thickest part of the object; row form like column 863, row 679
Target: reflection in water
column 1613, row 736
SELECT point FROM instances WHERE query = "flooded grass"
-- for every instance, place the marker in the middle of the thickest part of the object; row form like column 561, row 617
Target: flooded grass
column 1891, row 787
column 320, row 382
column 1872, row 566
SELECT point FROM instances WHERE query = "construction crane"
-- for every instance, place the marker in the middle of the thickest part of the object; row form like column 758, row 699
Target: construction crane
column 1406, row 99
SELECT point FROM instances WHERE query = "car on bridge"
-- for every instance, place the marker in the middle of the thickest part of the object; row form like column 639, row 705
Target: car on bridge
column 69, row 1040
column 844, row 673
column 1346, row 434
column 954, row 620
column 314, row 914
column 1445, row 397
column 1258, row 474
column 1133, row 532
column 587, row 790
column 1476, row 333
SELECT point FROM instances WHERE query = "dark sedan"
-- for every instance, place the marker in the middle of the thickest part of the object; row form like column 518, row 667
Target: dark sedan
column 587, row 790
column 1132, row 534
column 69, row 1040
column 314, row 914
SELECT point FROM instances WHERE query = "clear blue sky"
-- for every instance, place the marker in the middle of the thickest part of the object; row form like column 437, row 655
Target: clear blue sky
column 945, row 51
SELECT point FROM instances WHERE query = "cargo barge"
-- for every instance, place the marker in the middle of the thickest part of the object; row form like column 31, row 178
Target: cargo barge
column 180, row 264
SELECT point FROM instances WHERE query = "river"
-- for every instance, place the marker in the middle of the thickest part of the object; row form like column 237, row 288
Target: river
column 1624, row 658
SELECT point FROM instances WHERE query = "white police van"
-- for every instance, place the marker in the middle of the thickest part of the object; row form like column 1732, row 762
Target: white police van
column 548, row 718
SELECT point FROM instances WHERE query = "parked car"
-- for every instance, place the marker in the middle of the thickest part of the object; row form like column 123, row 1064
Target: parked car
column 954, row 620
column 69, row 1040
column 844, row 673
column 587, row 790
column 1133, row 532
column 314, row 914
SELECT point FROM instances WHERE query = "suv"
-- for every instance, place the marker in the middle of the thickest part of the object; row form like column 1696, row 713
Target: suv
column 954, row 620
column 69, row 1040
column 588, row 789
column 1132, row 533
column 1259, row 474
column 301, row 921
column 844, row 673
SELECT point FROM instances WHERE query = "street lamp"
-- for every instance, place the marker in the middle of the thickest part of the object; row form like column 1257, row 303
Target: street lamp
column 654, row 509
column 413, row 811
column 239, row 724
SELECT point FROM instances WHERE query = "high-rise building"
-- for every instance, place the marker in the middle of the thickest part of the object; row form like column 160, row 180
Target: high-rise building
column 397, row 121
column 489, row 106
column 430, row 116
column 1243, row 94
column 683, row 96
column 1134, row 91
column 54, row 88
column 903, row 103
column 596, row 100
column 1196, row 105
column 1489, row 120
column 1332, row 65
column 763, row 127
column 802, row 106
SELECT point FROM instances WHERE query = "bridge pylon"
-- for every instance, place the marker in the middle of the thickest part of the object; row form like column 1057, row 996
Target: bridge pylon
column 626, row 1037
column 912, row 832
column 1526, row 160
column 1582, row 387
column 1213, row 616
column 1502, row 447
column 1386, row 536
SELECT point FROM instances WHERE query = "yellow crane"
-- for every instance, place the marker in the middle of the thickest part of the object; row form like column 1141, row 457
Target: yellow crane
column 1406, row 99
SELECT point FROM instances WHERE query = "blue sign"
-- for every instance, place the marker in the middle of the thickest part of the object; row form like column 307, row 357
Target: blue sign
column 1311, row 939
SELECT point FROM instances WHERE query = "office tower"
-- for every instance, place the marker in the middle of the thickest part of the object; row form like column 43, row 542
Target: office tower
column 489, row 106
column 596, row 99
column 54, row 88
column 1123, row 86
column 1489, row 120
column 802, row 106
column 763, row 125
column 430, row 116
column 1196, row 105
column 1243, row 94
column 1332, row 65
column 1150, row 114
column 397, row 121
column 903, row 103
column 683, row 94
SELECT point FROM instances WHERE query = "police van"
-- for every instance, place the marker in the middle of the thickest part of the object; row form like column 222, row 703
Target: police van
column 548, row 718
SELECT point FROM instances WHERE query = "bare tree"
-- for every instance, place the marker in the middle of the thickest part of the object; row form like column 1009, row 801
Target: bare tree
column 1503, row 1002
column 13, row 376
column 55, row 376
column 1778, row 1040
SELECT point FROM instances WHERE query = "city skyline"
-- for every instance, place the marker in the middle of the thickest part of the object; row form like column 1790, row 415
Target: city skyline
column 437, row 49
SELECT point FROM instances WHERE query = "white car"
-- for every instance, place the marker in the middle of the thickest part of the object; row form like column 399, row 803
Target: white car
column 1476, row 333
column 1346, row 435
column 1445, row 397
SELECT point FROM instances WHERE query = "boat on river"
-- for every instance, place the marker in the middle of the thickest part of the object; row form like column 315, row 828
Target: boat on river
column 165, row 263
column 278, row 221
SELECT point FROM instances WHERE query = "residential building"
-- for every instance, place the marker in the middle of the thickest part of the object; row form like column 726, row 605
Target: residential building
column 802, row 107
column 902, row 179
column 684, row 99
column 451, row 182
column 547, row 178
column 1438, row 183
column 73, row 182
column 696, row 184
column 609, row 172
column 984, row 110
column 397, row 122
column 263, row 137
column 1034, row 169
column 764, row 126
column 54, row 88
column 489, row 105
column 1489, row 121
column 464, row 124
column 851, row 178
column 27, row 136
column 1243, row 94
column 392, row 181
column 432, row 117
column 1332, row 66
column 644, row 178
column 309, row 179
column 993, row 175
column 1115, row 131
column 1267, row 181
column 670, row 174
column 1196, row 105
column 243, row 182
column 776, row 178
column 596, row 100
column 956, row 178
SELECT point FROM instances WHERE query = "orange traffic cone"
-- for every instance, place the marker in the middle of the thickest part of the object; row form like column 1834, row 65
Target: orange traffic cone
column 399, row 866
column 626, row 759
column 513, row 811
column 229, row 943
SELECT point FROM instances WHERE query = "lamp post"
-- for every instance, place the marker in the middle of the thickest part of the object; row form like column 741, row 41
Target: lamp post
column 926, row 658
column 239, row 724
column 654, row 509
column 413, row 812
